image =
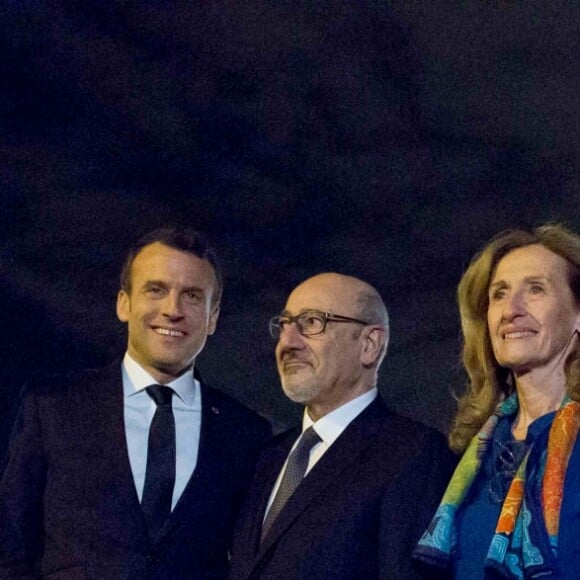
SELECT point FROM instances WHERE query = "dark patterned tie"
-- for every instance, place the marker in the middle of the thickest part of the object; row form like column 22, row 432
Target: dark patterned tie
column 294, row 474
column 160, row 474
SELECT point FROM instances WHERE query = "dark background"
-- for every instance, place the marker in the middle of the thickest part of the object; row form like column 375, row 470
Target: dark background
column 387, row 140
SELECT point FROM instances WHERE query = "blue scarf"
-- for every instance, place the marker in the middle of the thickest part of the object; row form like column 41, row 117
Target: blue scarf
column 525, row 542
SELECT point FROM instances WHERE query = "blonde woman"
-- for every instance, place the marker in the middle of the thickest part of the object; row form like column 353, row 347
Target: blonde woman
column 512, row 508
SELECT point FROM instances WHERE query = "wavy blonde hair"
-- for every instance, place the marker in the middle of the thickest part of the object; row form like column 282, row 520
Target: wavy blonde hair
column 489, row 383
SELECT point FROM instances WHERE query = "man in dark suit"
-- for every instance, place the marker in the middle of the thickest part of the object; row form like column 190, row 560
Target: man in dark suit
column 349, row 494
column 136, row 471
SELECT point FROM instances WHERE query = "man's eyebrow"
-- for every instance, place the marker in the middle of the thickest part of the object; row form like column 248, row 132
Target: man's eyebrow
column 302, row 311
column 164, row 284
column 155, row 283
column 197, row 289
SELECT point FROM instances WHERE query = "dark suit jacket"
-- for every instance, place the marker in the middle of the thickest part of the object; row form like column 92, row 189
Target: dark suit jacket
column 68, row 504
column 359, row 511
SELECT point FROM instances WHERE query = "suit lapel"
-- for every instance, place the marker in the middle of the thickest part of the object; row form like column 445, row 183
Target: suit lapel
column 268, row 470
column 341, row 455
column 103, row 429
column 209, row 468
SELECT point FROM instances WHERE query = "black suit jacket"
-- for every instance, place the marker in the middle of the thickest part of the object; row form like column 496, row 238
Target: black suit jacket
column 68, row 504
column 359, row 511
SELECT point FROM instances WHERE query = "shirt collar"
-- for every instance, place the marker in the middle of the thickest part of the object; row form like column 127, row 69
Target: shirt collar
column 332, row 425
column 136, row 378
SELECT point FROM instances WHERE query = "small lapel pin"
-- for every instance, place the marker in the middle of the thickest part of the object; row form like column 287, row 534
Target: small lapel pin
column 215, row 410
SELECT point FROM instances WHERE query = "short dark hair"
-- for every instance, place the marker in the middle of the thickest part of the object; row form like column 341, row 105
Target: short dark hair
column 183, row 239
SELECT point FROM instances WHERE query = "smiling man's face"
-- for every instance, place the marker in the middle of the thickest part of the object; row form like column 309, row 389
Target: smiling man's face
column 170, row 309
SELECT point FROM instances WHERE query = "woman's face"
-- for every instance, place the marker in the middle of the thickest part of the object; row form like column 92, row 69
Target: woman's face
column 532, row 313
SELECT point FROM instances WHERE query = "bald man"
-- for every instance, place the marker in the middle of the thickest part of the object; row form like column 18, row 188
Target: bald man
column 349, row 494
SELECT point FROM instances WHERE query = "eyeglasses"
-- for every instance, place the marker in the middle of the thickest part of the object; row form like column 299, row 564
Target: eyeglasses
column 506, row 460
column 309, row 323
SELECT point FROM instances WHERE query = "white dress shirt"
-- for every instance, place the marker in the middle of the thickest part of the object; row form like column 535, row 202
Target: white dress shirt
column 329, row 428
column 139, row 409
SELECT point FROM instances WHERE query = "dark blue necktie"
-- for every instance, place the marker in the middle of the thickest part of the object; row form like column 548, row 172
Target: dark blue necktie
column 160, row 474
column 294, row 474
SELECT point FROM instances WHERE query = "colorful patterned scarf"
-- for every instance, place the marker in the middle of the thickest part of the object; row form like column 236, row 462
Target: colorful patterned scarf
column 526, row 536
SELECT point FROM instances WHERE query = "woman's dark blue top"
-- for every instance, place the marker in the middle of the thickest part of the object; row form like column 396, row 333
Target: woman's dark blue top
column 480, row 511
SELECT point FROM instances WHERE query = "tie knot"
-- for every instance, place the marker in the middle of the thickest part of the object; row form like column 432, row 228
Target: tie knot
column 161, row 394
column 309, row 439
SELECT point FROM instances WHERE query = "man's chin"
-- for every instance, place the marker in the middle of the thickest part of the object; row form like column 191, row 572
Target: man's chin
column 172, row 368
column 299, row 392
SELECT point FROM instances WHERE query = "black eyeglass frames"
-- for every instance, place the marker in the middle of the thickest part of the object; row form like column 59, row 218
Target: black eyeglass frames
column 309, row 323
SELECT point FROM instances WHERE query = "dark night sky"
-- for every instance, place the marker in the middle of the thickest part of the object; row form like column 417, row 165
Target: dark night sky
column 384, row 140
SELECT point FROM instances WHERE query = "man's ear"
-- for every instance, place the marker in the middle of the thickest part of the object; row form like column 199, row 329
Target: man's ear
column 375, row 340
column 123, row 306
column 213, row 318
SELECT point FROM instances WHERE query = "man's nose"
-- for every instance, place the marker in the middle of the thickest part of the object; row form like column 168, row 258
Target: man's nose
column 290, row 336
column 172, row 305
